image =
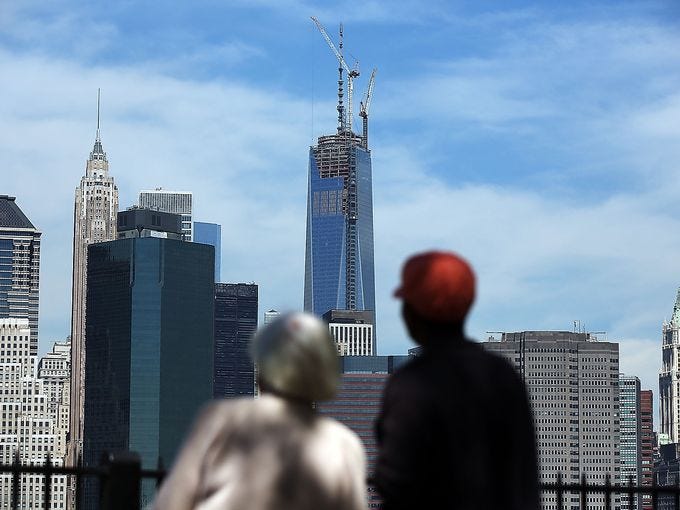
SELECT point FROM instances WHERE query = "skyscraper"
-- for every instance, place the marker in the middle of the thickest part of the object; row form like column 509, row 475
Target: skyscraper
column 572, row 380
column 358, row 400
column 647, row 431
column 235, row 325
column 177, row 202
column 631, row 436
column 94, row 221
column 19, row 267
column 210, row 233
column 669, row 376
column 339, row 269
column 149, row 346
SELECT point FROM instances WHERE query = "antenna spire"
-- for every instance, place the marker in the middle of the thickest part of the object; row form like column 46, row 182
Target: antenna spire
column 98, row 98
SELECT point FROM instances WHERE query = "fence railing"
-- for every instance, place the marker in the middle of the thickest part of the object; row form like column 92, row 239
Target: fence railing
column 120, row 478
column 119, row 474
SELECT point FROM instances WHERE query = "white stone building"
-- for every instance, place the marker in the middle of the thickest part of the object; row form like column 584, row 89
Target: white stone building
column 94, row 221
column 27, row 428
column 669, row 376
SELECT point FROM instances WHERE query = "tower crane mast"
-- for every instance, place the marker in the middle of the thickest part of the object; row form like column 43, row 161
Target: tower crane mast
column 345, row 121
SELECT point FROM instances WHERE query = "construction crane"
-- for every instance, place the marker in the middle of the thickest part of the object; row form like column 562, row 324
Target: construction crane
column 344, row 121
column 364, row 107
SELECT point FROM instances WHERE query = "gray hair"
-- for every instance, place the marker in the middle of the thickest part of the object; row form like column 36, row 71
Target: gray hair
column 296, row 357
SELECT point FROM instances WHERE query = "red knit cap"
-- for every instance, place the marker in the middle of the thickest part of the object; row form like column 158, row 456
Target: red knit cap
column 439, row 286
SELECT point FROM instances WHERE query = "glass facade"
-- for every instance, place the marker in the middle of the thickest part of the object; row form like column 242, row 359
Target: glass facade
column 19, row 267
column 336, row 167
column 235, row 325
column 211, row 233
column 149, row 350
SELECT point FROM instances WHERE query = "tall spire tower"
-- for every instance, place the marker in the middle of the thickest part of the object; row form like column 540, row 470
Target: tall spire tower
column 94, row 221
column 339, row 267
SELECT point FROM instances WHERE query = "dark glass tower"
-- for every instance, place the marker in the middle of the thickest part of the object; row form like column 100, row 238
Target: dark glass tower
column 339, row 272
column 149, row 350
column 235, row 324
column 19, row 267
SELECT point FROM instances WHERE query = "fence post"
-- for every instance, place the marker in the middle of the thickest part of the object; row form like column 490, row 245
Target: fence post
column 16, row 473
column 48, row 482
column 120, row 488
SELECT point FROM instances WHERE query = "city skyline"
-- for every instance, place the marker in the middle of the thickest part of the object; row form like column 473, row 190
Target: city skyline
column 558, row 183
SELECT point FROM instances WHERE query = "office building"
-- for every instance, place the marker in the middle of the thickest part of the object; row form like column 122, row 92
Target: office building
column 358, row 400
column 572, row 380
column 211, row 233
column 669, row 376
column 339, row 266
column 270, row 316
column 19, row 267
column 631, row 436
column 176, row 202
column 235, row 324
column 27, row 428
column 352, row 331
column 140, row 222
column 647, row 440
column 149, row 347
column 94, row 221
column 54, row 371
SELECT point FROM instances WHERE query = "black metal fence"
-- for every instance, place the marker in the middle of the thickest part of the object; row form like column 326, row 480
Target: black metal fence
column 120, row 478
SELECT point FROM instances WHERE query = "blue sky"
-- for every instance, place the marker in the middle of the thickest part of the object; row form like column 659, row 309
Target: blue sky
column 540, row 140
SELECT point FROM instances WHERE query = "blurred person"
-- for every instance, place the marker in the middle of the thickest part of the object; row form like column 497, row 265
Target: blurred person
column 274, row 452
column 455, row 430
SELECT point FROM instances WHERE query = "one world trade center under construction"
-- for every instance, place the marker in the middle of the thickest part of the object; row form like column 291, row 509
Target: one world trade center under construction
column 339, row 268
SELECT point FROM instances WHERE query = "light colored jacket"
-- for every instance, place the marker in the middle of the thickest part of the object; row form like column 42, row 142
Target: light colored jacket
column 266, row 454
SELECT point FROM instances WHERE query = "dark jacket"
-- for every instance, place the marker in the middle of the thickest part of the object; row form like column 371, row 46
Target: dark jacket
column 456, row 432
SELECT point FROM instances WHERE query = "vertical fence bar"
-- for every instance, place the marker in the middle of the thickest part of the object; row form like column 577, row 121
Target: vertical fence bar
column 655, row 494
column 583, row 491
column 16, row 472
column 48, row 482
column 607, row 492
column 630, row 493
column 161, row 469
column 559, row 491
column 677, row 495
column 121, row 487
column 79, row 483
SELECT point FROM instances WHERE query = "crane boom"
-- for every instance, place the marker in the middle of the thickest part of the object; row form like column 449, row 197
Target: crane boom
column 346, row 121
column 364, row 107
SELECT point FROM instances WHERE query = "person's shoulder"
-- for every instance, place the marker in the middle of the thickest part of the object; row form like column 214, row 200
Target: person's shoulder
column 343, row 435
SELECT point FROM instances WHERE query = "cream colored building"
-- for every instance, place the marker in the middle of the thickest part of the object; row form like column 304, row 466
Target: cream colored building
column 669, row 376
column 27, row 428
column 94, row 221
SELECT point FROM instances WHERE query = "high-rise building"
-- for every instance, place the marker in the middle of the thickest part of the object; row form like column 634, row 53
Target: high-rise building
column 235, row 324
column 54, row 371
column 631, row 436
column 149, row 347
column 572, row 381
column 358, row 401
column 19, row 267
column 28, row 430
column 352, row 331
column 669, row 376
column 176, row 202
column 270, row 316
column 94, row 221
column 647, row 440
column 211, row 233
column 339, row 267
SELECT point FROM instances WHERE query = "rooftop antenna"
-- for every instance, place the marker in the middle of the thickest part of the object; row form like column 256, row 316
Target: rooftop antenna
column 98, row 98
